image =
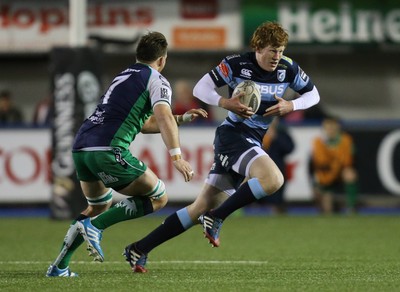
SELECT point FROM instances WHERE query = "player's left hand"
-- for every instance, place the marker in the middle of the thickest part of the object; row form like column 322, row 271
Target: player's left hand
column 193, row 114
column 281, row 108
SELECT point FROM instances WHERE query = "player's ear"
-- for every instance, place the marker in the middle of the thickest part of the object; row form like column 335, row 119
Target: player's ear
column 161, row 61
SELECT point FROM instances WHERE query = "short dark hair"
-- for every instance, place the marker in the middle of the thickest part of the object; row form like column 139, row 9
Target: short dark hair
column 151, row 46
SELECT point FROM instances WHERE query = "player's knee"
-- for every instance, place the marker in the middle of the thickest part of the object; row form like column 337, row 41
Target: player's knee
column 99, row 204
column 158, row 196
column 160, row 202
column 92, row 211
column 280, row 180
column 272, row 183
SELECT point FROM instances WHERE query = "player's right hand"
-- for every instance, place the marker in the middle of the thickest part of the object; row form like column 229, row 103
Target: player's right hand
column 185, row 168
column 233, row 104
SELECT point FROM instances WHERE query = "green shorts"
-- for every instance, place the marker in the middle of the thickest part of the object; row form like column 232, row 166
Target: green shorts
column 116, row 168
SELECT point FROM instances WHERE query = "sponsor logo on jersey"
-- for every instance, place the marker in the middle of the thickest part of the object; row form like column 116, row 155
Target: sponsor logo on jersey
column 97, row 117
column 164, row 93
column 272, row 89
column 164, row 81
column 303, row 75
column 281, row 75
column 232, row 56
column 246, row 73
column 130, row 70
column 224, row 69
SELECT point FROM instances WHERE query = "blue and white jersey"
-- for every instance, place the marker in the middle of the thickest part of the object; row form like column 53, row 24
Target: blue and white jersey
column 123, row 109
column 236, row 68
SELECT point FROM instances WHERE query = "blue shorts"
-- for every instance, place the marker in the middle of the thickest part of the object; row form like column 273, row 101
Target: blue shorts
column 235, row 148
column 229, row 145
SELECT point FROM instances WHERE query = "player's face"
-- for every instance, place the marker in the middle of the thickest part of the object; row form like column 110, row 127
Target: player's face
column 269, row 57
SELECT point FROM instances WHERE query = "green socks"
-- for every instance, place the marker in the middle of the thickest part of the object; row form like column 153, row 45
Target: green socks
column 127, row 209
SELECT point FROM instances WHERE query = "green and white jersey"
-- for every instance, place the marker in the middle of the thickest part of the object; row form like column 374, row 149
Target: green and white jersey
column 123, row 109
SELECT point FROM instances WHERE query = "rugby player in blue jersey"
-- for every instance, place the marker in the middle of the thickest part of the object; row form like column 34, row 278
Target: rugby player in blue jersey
column 137, row 101
column 242, row 172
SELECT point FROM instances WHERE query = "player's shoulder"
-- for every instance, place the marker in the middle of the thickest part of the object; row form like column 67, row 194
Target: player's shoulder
column 232, row 57
column 158, row 77
column 288, row 63
column 237, row 58
column 137, row 70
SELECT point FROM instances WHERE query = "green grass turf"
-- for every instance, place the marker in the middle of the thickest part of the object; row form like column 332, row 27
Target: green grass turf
column 293, row 253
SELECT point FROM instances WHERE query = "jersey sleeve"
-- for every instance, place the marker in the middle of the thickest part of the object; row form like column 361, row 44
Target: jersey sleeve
column 301, row 82
column 222, row 74
column 159, row 90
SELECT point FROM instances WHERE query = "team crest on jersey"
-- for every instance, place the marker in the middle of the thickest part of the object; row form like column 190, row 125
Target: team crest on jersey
column 281, row 75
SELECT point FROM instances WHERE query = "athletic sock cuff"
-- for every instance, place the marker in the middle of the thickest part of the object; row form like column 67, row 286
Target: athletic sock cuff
column 184, row 218
column 256, row 188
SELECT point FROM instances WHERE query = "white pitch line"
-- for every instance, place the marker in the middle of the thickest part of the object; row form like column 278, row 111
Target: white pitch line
column 150, row 262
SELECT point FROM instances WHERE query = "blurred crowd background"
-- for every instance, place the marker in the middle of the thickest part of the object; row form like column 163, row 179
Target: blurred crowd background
column 350, row 49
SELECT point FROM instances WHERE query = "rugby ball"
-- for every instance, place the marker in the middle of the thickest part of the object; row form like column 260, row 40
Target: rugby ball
column 252, row 94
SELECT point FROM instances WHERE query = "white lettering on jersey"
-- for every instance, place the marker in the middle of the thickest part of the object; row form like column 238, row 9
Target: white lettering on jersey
column 232, row 56
column 272, row 89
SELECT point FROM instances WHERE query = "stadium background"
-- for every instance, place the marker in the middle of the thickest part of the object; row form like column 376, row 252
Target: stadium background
column 349, row 48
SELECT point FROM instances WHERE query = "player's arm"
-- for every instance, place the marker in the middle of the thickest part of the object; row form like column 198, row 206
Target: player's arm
column 165, row 121
column 205, row 90
column 302, row 84
column 151, row 126
column 160, row 98
column 170, row 135
column 283, row 107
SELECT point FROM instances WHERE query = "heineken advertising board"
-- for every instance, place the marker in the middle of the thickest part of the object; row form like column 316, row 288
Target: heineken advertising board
column 328, row 22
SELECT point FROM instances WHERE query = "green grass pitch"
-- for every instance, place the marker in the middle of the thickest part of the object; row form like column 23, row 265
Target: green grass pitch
column 260, row 253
